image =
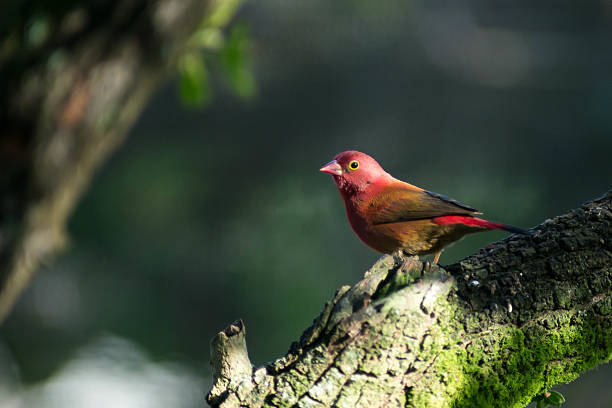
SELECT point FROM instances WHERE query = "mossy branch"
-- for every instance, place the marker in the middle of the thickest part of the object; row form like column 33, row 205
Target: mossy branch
column 494, row 330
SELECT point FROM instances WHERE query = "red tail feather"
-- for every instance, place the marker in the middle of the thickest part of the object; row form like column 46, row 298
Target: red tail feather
column 477, row 222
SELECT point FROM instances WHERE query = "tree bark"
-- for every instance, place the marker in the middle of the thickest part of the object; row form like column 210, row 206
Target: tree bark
column 74, row 77
column 494, row 330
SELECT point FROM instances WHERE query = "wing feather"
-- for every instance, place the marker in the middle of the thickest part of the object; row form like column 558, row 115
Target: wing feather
column 409, row 204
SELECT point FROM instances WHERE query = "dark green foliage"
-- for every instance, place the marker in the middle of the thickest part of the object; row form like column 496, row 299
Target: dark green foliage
column 194, row 87
column 236, row 64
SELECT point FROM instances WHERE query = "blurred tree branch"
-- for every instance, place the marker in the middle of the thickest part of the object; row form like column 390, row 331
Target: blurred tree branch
column 493, row 330
column 74, row 76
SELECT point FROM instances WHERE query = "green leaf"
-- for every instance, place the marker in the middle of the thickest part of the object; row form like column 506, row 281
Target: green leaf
column 37, row 31
column 222, row 13
column 555, row 399
column 209, row 38
column 194, row 87
column 236, row 64
column 548, row 398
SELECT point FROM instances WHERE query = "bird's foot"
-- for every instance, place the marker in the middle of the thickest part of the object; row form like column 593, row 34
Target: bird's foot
column 427, row 264
column 398, row 253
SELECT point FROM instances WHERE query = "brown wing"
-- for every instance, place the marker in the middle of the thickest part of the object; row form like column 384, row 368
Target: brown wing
column 400, row 205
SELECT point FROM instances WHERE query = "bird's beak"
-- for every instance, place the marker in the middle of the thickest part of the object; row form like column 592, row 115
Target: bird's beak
column 332, row 168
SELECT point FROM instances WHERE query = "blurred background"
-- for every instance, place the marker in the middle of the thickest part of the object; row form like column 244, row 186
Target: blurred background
column 215, row 213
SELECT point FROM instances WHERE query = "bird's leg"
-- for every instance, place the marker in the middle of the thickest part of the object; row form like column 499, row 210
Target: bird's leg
column 426, row 266
column 437, row 257
column 398, row 253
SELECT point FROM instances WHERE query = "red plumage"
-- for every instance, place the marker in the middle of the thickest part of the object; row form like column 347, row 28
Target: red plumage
column 388, row 214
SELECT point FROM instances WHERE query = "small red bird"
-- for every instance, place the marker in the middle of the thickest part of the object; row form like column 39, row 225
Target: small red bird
column 388, row 214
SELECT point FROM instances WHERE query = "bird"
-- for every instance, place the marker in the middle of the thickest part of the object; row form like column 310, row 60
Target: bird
column 388, row 214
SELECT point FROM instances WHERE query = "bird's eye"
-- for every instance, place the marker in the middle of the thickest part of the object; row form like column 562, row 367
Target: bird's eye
column 353, row 165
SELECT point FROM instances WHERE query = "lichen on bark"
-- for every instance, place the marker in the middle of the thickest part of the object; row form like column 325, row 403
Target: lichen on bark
column 495, row 329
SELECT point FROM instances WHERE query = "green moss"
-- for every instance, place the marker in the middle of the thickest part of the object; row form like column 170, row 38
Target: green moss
column 406, row 275
column 314, row 363
column 298, row 383
column 509, row 368
column 349, row 360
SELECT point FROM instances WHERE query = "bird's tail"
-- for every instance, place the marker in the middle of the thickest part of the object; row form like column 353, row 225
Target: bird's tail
column 509, row 228
column 478, row 222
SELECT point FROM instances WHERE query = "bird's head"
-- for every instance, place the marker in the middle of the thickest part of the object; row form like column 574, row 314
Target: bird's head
column 354, row 171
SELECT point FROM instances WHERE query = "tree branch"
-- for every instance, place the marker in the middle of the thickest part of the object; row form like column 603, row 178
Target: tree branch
column 70, row 89
column 494, row 330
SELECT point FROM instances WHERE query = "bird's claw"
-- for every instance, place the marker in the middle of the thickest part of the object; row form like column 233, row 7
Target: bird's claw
column 398, row 253
column 427, row 266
